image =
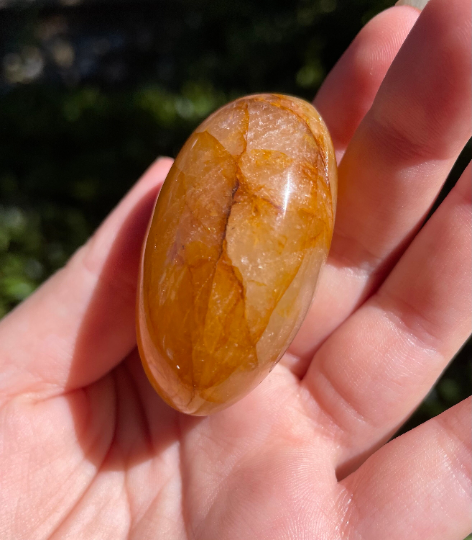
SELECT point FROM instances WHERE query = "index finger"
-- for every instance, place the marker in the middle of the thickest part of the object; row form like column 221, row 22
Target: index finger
column 350, row 88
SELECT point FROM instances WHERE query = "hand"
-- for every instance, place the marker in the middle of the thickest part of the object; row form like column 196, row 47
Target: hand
column 88, row 450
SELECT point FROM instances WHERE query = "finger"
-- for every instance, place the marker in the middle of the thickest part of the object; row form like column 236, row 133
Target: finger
column 343, row 100
column 396, row 164
column 417, row 486
column 374, row 370
column 80, row 323
column 409, row 140
column 350, row 88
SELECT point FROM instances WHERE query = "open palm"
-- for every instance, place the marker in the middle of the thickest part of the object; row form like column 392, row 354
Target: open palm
column 89, row 451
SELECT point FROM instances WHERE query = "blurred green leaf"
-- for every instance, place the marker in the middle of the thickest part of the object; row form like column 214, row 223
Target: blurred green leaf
column 15, row 288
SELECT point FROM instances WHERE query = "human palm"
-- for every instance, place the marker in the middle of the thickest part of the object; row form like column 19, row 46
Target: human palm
column 88, row 450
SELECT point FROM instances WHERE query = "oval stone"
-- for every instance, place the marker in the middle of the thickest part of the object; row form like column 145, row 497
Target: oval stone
column 239, row 233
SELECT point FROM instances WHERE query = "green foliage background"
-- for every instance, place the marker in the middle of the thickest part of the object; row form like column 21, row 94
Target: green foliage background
column 93, row 91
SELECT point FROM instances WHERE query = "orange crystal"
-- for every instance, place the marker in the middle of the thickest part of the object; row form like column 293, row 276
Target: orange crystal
column 240, row 230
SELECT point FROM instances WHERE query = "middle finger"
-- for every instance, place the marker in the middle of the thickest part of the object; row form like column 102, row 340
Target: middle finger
column 395, row 165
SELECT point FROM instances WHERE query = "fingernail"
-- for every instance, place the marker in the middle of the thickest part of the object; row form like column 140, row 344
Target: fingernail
column 419, row 4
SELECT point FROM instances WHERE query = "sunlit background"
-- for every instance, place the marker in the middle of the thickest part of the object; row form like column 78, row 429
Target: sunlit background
column 92, row 91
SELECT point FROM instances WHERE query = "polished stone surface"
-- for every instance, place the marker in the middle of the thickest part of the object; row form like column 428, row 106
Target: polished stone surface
column 241, row 228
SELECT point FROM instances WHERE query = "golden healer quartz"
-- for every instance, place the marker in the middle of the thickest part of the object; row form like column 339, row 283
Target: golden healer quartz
column 239, row 233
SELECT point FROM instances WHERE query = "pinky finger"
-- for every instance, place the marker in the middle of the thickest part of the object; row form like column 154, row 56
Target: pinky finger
column 417, row 486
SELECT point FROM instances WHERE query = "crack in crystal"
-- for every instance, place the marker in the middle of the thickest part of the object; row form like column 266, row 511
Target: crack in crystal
column 223, row 251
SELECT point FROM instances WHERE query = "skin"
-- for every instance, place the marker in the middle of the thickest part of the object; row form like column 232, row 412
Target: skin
column 88, row 450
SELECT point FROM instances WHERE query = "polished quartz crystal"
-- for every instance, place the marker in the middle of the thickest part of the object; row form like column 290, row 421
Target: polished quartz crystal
column 240, row 230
